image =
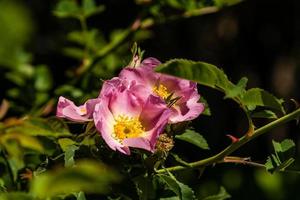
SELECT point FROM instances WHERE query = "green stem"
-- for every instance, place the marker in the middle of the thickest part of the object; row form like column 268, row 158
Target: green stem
column 234, row 146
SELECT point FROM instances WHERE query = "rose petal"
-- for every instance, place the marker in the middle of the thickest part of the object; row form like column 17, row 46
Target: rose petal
column 104, row 122
column 139, row 142
column 67, row 109
column 124, row 103
column 150, row 62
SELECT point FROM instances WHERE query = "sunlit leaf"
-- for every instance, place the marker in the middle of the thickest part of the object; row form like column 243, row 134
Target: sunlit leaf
column 85, row 176
column 211, row 76
column 238, row 89
column 80, row 196
column 259, row 97
column 25, row 141
column 201, row 72
column 193, row 138
column 38, row 127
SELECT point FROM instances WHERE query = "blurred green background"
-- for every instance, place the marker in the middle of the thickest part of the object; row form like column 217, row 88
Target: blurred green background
column 48, row 49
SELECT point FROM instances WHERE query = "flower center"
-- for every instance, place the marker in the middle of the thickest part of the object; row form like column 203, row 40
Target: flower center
column 161, row 91
column 127, row 127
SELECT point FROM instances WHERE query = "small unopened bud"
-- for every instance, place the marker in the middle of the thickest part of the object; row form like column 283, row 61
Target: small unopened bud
column 164, row 143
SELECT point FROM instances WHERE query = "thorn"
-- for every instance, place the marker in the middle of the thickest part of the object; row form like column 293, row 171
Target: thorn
column 232, row 138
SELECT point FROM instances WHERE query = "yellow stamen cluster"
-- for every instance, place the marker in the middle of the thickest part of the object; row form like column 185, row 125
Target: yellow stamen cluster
column 127, row 127
column 161, row 91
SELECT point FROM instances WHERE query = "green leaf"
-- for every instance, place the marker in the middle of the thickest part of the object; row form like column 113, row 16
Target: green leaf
column 181, row 190
column 193, row 138
column 80, row 196
column 43, row 78
column 69, row 147
column 220, row 196
column 89, row 8
column 86, row 176
column 67, row 8
column 259, row 97
column 74, row 52
column 144, row 187
column 200, row 72
column 283, row 156
column 206, row 107
column 285, row 149
column 222, row 3
column 69, row 90
column 24, row 141
column 16, row 196
column 211, row 76
column 238, row 89
column 180, row 160
column 2, row 186
column 40, row 127
column 170, row 198
column 69, row 155
column 64, row 143
column 268, row 114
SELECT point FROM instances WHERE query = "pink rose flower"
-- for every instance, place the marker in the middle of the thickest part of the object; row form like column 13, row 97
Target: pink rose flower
column 125, row 119
column 67, row 109
column 144, row 82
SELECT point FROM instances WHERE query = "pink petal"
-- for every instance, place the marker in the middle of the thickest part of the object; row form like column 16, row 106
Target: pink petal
column 104, row 122
column 139, row 142
column 112, row 85
column 154, row 117
column 150, row 62
column 187, row 107
column 67, row 109
column 139, row 76
column 152, row 111
column 124, row 103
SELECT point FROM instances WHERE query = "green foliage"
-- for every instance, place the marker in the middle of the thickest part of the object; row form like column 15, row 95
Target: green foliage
column 221, row 3
column 207, row 110
column 213, row 77
column 145, row 187
column 16, row 27
column 264, row 114
column 182, row 191
column 16, row 196
column 258, row 97
column 69, row 147
column 193, row 138
column 222, row 195
column 70, row 8
column 41, row 156
column 86, row 176
column 283, row 157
